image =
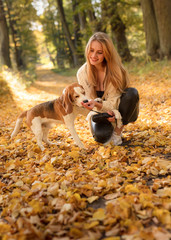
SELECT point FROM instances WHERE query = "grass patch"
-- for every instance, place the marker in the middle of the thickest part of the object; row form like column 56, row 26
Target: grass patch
column 145, row 66
column 4, row 89
column 137, row 66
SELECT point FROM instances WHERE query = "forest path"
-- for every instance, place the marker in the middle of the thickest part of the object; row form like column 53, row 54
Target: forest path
column 48, row 86
column 49, row 83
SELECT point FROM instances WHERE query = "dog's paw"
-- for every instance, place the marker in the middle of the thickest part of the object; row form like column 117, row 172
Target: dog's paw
column 42, row 147
column 81, row 145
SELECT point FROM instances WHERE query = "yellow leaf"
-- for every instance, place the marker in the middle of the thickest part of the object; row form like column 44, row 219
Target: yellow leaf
column 102, row 183
column 69, row 194
column 92, row 173
column 163, row 215
column 131, row 189
column 105, row 153
column 112, row 196
column 11, row 166
column 99, row 214
column 74, row 154
column 146, row 200
column 36, row 205
column 16, row 193
column 164, row 164
column 76, row 233
column 38, row 185
column 164, row 192
column 19, row 183
column 92, row 199
column 77, row 196
column 91, row 225
column 49, row 167
column 154, row 171
column 53, row 189
column 36, row 149
column 66, row 207
column 87, row 186
column 4, row 228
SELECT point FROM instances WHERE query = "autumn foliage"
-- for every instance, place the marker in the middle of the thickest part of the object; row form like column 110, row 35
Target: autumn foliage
column 103, row 192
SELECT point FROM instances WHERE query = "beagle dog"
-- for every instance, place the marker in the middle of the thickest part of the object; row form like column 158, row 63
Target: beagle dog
column 64, row 109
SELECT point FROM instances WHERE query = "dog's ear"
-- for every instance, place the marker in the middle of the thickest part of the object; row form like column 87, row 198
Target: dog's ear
column 67, row 101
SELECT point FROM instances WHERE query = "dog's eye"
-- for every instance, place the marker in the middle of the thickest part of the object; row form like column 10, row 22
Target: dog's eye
column 76, row 96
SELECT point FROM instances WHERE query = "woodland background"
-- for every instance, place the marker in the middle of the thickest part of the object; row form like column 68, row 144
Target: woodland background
column 33, row 31
column 101, row 192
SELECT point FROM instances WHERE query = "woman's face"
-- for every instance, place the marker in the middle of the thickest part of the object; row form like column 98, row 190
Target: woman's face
column 96, row 55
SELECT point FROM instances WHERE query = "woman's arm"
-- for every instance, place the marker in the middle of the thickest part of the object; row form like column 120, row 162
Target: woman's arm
column 82, row 80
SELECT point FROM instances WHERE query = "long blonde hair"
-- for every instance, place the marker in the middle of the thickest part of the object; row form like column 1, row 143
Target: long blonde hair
column 115, row 71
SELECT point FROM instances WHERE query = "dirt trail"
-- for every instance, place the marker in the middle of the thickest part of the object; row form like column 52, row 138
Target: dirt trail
column 49, row 84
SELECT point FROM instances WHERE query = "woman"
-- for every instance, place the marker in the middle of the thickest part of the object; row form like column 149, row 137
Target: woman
column 103, row 76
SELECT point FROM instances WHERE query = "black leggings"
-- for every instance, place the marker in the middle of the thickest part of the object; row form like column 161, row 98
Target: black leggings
column 129, row 105
column 129, row 110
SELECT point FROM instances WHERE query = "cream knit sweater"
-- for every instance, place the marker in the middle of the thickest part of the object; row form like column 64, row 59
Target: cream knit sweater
column 111, row 98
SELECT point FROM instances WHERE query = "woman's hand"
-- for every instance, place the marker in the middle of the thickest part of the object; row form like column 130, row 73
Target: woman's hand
column 112, row 118
column 89, row 105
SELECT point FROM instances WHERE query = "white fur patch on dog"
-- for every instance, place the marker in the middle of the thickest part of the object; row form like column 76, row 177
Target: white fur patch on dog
column 69, row 121
column 78, row 90
column 48, row 122
column 17, row 127
column 80, row 93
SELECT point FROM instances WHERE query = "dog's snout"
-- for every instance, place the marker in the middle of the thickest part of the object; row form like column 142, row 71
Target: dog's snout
column 85, row 101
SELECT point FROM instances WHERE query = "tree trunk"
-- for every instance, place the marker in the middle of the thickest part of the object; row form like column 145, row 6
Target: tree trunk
column 67, row 32
column 96, row 25
column 151, row 30
column 163, row 17
column 18, row 52
column 4, row 39
column 104, row 15
column 61, row 55
column 157, row 25
column 77, row 33
column 82, row 20
column 118, row 29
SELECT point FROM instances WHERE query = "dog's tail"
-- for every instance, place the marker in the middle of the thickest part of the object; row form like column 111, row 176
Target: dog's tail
column 18, row 124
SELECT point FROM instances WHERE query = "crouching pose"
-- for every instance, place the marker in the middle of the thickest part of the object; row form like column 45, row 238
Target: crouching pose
column 103, row 76
column 64, row 109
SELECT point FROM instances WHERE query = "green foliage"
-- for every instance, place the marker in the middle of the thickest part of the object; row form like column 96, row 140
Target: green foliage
column 91, row 13
column 24, row 14
column 54, row 35
column 131, row 14
column 21, row 14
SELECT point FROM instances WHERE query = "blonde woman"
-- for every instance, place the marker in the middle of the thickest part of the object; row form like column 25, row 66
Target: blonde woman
column 103, row 76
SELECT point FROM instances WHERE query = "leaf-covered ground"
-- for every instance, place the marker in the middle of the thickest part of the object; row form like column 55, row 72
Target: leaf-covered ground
column 103, row 192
